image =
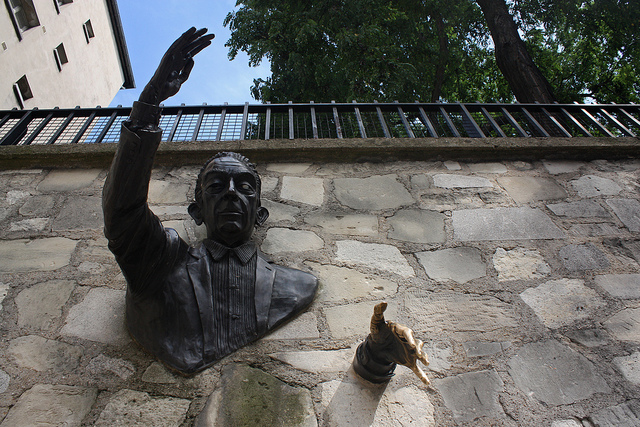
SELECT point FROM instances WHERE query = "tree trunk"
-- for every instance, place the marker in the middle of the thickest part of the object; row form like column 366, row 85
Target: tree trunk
column 525, row 79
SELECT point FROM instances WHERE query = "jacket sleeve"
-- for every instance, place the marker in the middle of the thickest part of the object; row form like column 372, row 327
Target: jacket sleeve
column 142, row 247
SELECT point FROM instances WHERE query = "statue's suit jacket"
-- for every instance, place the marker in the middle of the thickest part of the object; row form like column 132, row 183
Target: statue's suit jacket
column 169, row 294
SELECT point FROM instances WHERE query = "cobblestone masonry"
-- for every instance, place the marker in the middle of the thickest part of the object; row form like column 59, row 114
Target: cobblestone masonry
column 522, row 278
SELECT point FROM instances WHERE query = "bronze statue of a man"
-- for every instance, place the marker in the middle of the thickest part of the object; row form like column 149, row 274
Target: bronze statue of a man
column 192, row 306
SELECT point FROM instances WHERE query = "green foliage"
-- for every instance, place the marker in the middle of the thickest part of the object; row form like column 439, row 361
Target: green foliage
column 427, row 50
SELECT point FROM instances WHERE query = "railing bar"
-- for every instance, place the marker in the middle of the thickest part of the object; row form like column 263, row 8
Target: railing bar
column 106, row 127
column 174, row 126
column 194, row 136
column 336, row 119
column 514, row 123
column 38, row 129
column 576, row 122
column 314, row 123
column 597, row 123
column 450, row 124
column 267, row 125
column 17, row 130
column 534, row 122
column 5, row 119
column 291, row 130
column 492, row 122
column 404, row 121
column 624, row 113
column 427, row 122
column 383, row 123
column 245, row 120
column 617, row 124
column 557, row 123
column 363, row 132
column 61, row 128
column 473, row 123
column 84, row 128
column 223, row 114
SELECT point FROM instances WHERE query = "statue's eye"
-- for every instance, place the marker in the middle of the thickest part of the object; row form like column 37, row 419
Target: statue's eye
column 215, row 187
column 245, row 187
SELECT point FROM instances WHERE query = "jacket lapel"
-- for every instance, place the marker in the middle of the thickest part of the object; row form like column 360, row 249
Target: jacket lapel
column 265, row 275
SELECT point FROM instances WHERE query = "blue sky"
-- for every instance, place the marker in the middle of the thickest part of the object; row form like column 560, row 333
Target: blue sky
column 151, row 26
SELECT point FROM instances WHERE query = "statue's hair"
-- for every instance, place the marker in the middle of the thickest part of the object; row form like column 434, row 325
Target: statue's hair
column 239, row 157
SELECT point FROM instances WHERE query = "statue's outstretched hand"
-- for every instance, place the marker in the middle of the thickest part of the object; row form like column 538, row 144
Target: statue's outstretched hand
column 395, row 343
column 175, row 66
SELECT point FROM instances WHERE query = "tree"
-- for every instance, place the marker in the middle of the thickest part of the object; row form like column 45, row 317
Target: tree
column 428, row 50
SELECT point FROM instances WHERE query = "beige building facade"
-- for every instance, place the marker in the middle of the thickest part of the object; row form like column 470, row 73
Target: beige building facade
column 61, row 53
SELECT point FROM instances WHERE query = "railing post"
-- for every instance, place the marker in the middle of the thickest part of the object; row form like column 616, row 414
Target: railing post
column 245, row 119
column 194, row 135
column 314, row 123
column 267, row 125
column 363, row 132
column 221, row 123
column 336, row 119
column 291, row 131
column 61, row 128
column 383, row 123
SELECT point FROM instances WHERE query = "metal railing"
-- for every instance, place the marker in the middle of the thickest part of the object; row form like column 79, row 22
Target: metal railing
column 328, row 120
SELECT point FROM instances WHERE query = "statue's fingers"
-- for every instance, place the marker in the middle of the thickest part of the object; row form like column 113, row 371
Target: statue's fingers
column 420, row 374
column 422, row 356
column 183, row 39
column 186, row 71
column 194, row 48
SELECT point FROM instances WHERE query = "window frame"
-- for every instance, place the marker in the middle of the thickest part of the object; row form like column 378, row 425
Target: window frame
column 87, row 28
column 30, row 14
column 22, row 90
column 60, row 55
column 58, row 3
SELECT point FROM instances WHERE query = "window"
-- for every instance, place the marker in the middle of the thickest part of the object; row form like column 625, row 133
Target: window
column 60, row 55
column 88, row 30
column 22, row 90
column 58, row 3
column 23, row 15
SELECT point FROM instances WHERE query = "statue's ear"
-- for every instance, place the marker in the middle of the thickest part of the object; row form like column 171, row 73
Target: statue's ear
column 195, row 212
column 261, row 215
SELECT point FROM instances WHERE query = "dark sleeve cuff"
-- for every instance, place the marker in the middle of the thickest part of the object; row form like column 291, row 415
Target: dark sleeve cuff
column 370, row 369
column 145, row 115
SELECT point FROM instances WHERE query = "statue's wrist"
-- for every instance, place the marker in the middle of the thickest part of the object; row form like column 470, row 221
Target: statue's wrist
column 145, row 115
column 368, row 365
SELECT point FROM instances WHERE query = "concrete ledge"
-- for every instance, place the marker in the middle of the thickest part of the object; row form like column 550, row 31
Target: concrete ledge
column 332, row 150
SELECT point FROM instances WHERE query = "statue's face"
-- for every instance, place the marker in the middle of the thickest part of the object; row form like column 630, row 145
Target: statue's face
column 229, row 201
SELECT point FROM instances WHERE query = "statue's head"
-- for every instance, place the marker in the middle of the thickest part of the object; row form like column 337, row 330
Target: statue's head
column 227, row 199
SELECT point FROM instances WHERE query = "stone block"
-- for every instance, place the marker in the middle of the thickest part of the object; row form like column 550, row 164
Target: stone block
column 25, row 255
column 346, row 224
column 626, row 414
column 288, row 168
column 346, row 284
column 446, row 180
column 589, row 337
column 380, row 257
column 628, row 210
column 156, row 373
column 39, row 206
column 252, row 397
column 279, row 211
column 99, row 317
column 629, row 366
column 101, row 365
column 373, row 193
column 562, row 302
column 579, row 209
column 526, row 189
column 452, row 166
column 583, row 257
column 417, row 226
column 595, row 186
column 31, row 224
column 45, row 404
column 625, row 325
column 166, row 192
column 134, row 408
column 309, row 191
column 480, row 349
column 490, row 167
column 318, row 361
column 302, row 327
column 5, row 379
column 458, row 264
column 472, row 395
column 557, row 167
column 41, row 304
column 280, row 240
column 625, row 286
column 80, row 213
column 68, row 180
column 41, row 354
column 503, row 224
column 268, row 184
column 555, row 374
column 519, row 264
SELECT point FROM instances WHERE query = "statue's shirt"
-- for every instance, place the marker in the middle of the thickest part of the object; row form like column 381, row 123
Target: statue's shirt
column 233, row 274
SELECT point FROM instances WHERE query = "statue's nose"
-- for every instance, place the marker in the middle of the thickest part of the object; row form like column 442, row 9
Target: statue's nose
column 231, row 189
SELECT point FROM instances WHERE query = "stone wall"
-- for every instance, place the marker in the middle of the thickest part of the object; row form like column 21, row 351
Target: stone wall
column 522, row 279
